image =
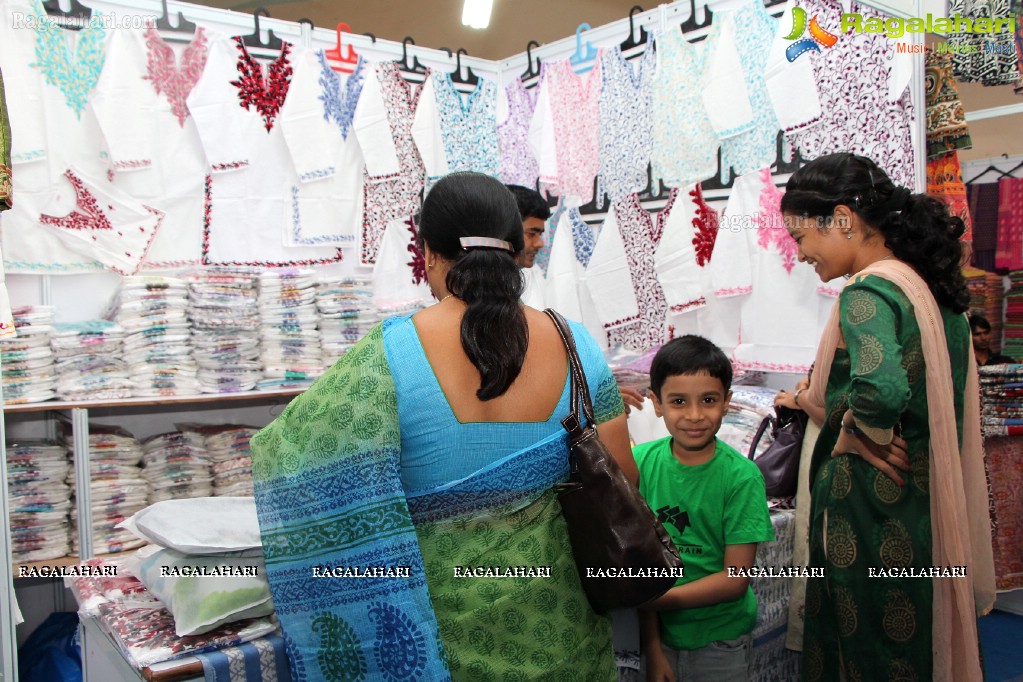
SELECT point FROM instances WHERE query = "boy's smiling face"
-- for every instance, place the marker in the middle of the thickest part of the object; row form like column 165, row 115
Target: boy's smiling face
column 693, row 407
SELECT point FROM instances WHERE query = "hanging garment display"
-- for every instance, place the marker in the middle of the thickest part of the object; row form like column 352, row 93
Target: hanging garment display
column 622, row 278
column 236, row 106
column 155, row 152
column 685, row 148
column 515, row 107
column 1009, row 253
column 946, row 121
column 457, row 134
column 853, row 79
column 755, row 255
column 325, row 205
column 683, row 255
column 54, row 72
column 790, row 84
column 978, row 57
column 983, row 206
column 566, row 287
column 395, row 173
column 626, row 123
column 723, row 88
column 747, row 150
column 540, row 137
column 945, row 183
column 397, row 281
column 574, row 115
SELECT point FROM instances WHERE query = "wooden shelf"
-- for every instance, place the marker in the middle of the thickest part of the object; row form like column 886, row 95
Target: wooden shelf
column 154, row 400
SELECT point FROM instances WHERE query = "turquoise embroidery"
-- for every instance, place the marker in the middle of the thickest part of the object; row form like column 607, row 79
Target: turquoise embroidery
column 74, row 74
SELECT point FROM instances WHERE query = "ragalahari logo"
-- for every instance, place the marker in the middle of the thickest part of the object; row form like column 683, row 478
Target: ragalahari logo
column 818, row 36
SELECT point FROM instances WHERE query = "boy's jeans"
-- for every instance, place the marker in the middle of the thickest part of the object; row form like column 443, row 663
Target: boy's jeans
column 723, row 661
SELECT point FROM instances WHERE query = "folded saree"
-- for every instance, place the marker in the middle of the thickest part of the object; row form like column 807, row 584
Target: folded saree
column 471, row 580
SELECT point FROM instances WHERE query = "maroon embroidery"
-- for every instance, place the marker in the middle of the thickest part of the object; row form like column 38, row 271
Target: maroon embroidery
column 770, row 225
column 233, row 165
column 168, row 79
column 640, row 235
column 706, row 224
column 134, row 163
column 86, row 215
column 418, row 262
column 265, row 96
column 392, row 197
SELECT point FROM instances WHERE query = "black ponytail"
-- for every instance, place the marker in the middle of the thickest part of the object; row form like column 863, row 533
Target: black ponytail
column 494, row 334
column 917, row 228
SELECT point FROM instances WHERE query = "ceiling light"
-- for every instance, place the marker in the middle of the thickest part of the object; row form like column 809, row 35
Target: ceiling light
column 476, row 13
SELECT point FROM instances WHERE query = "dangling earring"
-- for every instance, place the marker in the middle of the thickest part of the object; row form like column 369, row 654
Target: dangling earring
column 848, row 235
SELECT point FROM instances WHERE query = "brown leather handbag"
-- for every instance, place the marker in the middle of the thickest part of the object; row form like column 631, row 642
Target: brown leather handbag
column 624, row 556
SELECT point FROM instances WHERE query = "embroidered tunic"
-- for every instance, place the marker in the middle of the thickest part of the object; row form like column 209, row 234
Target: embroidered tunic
column 567, row 290
column 316, row 119
column 857, row 114
column 622, row 279
column 684, row 147
column 468, row 127
column 236, row 109
column 155, row 150
column 684, row 252
column 395, row 173
column 514, row 112
column 790, row 85
column 50, row 74
column 626, row 127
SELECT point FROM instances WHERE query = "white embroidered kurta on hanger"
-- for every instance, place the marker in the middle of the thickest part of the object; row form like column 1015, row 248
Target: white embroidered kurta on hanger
column 395, row 173
column 49, row 74
column 684, row 253
column 515, row 107
column 622, row 278
column 460, row 133
column 567, row 290
column 316, row 119
column 790, row 84
column 155, row 150
column 236, row 106
column 396, row 282
column 540, row 137
column 685, row 148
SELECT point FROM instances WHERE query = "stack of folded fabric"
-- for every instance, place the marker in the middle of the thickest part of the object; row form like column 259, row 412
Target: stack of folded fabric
column 976, row 284
column 158, row 350
column 1001, row 388
column 1013, row 345
column 223, row 307
column 347, row 313
column 117, row 489
column 290, row 351
column 227, row 447
column 176, row 466
column 89, row 360
column 993, row 310
column 38, row 500
column 29, row 374
column 749, row 406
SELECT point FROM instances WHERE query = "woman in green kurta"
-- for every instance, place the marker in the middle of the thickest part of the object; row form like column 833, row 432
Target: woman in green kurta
column 899, row 322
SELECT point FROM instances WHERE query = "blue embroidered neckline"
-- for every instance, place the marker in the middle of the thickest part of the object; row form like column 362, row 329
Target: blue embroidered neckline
column 337, row 106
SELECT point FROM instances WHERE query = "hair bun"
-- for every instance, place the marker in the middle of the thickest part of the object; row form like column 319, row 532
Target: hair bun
column 898, row 199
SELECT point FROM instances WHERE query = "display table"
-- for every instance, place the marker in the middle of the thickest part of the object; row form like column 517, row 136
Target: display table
column 103, row 661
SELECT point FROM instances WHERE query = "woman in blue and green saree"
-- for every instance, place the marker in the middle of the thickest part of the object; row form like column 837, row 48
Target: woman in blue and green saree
column 406, row 499
column 898, row 513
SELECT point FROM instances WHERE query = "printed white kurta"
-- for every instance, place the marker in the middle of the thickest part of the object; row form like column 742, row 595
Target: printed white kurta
column 236, row 111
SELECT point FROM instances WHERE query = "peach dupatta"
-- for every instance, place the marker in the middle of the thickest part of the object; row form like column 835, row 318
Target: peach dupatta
column 957, row 479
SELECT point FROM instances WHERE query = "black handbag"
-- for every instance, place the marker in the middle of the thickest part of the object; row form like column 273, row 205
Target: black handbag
column 779, row 463
column 622, row 552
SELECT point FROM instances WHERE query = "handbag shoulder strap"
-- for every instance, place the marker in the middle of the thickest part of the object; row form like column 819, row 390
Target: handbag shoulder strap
column 579, row 390
column 766, row 422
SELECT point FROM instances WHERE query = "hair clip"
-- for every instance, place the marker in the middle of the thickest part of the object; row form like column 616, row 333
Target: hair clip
column 485, row 243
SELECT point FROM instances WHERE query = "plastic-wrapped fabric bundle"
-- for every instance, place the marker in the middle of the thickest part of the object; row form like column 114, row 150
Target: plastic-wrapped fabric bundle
column 88, row 360
column 38, row 499
column 29, row 374
column 176, row 465
column 290, row 342
column 347, row 313
column 223, row 308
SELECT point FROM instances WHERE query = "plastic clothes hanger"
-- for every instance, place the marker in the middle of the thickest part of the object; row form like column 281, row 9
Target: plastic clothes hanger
column 254, row 39
column 633, row 40
column 529, row 73
column 470, row 78
column 585, row 55
column 404, row 64
column 346, row 60
column 181, row 24
column 76, row 11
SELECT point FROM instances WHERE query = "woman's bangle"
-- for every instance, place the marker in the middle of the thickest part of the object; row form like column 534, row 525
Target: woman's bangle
column 795, row 397
column 852, row 429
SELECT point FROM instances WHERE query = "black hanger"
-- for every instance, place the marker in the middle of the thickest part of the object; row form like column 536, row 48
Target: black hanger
column 634, row 41
column 994, row 168
column 470, row 77
column 79, row 13
column 183, row 24
column 529, row 73
column 404, row 64
column 255, row 40
column 690, row 24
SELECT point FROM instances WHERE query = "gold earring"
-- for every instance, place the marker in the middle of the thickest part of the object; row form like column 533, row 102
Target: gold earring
column 848, row 235
column 429, row 265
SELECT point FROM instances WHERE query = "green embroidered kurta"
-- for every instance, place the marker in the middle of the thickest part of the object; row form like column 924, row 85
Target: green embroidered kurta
column 877, row 628
column 6, row 189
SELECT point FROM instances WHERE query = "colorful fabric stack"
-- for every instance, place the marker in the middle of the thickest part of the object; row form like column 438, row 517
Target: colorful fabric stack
column 1002, row 457
column 290, row 351
column 29, row 374
column 117, row 488
column 176, row 465
column 749, row 406
column 976, row 283
column 1013, row 344
column 1001, row 388
column 994, row 308
column 89, row 360
column 227, row 447
column 38, row 499
column 153, row 312
column 223, row 307
column 347, row 313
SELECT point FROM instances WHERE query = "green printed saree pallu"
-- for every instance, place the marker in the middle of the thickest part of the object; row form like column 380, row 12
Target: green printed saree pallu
column 473, row 580
column 6, row 189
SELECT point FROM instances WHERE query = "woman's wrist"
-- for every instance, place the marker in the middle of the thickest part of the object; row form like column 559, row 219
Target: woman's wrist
column 795, row 397
column 849, row 425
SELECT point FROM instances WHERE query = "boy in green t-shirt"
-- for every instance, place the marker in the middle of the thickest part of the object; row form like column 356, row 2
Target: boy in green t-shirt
column 712, row 502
